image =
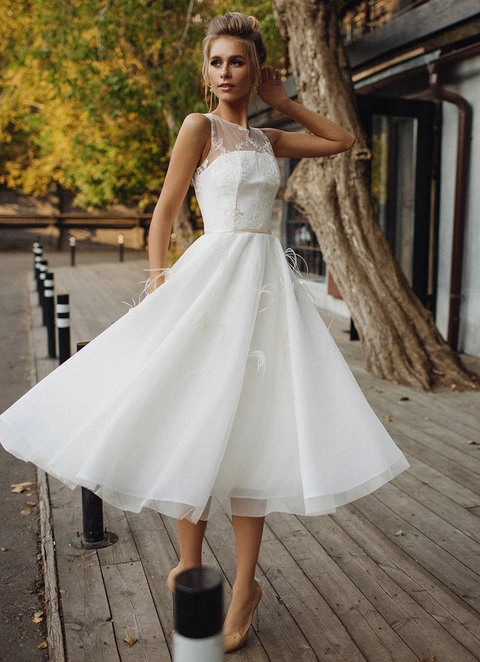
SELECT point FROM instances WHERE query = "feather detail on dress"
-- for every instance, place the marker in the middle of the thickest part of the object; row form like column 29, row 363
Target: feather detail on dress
column 166, row 271
column 261, row 360
column 292, row 259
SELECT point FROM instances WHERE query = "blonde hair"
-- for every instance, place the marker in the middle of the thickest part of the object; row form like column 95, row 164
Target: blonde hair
column 247, row 30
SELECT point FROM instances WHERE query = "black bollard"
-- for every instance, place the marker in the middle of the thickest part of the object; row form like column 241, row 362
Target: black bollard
column 42, row 270
column 63, row 326
column 353, row 330
column 121, row 246
column 73, row 244
column 198, row 635
column 93, row 536
column 38, row 264
column 37, row 256
column 49, row 313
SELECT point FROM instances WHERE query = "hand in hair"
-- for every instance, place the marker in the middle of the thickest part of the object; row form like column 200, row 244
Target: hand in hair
column 271, row 90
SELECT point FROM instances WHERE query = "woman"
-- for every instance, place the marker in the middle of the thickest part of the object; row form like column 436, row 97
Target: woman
column 223, row 385
column 233, row 56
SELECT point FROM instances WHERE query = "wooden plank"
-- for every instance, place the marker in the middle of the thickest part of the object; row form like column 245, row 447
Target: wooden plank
column 158, row 558
column 134, row 614
column 125, row 549
column 420, row 631
column 325, row 633
column 449, row 537
column 443, row 484
column 436, row 502
column 426, row 551
column 431, row 434
column 437, row 410
column 364, row 623
column 56, row 650
column 430, row 455
column 86, row 613
column 437, row 600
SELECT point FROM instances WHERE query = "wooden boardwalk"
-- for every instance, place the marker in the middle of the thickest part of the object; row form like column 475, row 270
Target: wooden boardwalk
column 395, row 576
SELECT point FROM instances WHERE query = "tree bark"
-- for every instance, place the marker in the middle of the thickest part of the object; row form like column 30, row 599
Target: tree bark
column 400, row 340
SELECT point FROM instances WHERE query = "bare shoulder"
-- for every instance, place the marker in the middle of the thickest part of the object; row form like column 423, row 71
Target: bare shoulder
column 196, row 123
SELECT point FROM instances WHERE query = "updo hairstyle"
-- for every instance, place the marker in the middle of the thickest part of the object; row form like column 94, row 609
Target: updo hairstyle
column 247, row 30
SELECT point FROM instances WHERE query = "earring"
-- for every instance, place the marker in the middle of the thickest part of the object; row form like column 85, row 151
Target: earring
column 254, row 89
column 209, row 101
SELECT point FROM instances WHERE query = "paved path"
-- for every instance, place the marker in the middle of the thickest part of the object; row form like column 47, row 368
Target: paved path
column 20, row 570
column 393, row 576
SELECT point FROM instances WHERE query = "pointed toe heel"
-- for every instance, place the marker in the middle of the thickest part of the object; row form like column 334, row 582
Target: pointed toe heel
column 233, row 642
column 171, row 585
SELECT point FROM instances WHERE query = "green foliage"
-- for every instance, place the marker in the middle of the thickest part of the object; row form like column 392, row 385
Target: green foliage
column 92, row 96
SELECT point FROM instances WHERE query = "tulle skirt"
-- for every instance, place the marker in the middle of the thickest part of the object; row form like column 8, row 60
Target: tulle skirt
column 223, row 386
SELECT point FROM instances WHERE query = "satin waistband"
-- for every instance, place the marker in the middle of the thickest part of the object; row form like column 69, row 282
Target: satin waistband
column 238, row 230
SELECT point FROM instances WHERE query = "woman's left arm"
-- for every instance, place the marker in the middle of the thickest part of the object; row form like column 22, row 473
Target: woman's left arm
column 328, row 137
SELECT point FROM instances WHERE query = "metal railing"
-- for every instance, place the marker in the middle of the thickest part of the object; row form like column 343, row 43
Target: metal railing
column 68, row 221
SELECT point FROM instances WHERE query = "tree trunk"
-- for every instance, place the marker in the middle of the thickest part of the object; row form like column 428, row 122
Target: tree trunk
column 400, row 340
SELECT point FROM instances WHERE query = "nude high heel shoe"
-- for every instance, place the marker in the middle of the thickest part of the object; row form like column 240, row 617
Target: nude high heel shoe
column 233, row 642
column 171, row 578
column 171, row 585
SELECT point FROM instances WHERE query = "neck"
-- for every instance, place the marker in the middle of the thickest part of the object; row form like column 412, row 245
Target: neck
column 236, row 113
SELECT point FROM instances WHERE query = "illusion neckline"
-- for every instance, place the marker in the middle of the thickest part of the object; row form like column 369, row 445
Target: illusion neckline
column 228, row 122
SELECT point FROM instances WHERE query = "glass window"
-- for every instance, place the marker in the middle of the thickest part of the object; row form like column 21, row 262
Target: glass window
column 393, row 183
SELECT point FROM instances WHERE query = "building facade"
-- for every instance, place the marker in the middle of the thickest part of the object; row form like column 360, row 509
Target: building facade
column 416, row 71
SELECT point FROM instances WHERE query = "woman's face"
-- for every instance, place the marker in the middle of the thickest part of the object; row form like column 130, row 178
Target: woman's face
column 228, row 69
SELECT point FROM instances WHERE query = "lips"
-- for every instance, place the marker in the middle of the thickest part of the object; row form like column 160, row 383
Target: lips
column 226, row 86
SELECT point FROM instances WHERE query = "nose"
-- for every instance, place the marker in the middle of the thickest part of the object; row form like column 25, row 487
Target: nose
column 225, row 73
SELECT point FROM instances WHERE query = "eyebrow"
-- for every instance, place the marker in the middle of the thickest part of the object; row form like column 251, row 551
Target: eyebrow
column 212, row 57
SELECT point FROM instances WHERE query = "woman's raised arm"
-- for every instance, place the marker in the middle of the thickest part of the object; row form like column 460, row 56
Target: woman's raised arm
column 328, row 137
column 189, row 145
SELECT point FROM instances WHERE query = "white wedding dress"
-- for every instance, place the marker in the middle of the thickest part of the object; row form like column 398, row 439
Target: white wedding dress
column 224, row 382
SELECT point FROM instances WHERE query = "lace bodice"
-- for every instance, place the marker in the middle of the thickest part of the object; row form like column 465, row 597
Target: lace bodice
column 237, row 183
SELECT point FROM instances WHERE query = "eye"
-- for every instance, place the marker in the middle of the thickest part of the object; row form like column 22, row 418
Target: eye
column 214, row 62
column 239, row 62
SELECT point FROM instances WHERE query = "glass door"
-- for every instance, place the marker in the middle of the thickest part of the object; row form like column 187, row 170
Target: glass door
column 401, row 136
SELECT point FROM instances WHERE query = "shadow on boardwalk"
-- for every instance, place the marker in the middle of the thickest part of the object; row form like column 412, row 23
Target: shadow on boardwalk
column 393, row 576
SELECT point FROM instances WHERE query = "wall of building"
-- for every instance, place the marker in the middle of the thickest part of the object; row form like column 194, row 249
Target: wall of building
column 463, row 78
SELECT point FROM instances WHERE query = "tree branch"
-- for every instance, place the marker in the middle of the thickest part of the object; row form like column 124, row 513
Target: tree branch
column 187, row 25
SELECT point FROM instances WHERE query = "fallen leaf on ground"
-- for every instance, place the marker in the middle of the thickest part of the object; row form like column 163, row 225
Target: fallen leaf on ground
column 42, row 645
column 30, row 504
column 20, row 487
column 3, row 549
column 399, row 532
column 62, row 590
column 26, row 512
column 404, row 398
column 38, row 617
column 388, row 418
column 471, row 361
column 129, row 640
column 472, row 441
column 453, row 387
